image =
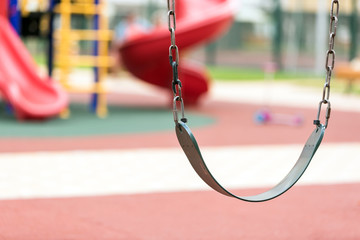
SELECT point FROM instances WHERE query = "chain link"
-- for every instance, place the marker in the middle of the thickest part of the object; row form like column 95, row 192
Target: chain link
column 329, row 63
column 174, row 62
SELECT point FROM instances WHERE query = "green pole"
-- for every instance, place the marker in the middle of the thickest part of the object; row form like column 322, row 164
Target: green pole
column 353, row 31
column 210, row 54
column 278, row 33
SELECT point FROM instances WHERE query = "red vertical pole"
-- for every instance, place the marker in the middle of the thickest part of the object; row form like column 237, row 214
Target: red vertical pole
column 4, row 5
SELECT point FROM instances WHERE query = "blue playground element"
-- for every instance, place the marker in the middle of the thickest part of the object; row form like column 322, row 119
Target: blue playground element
column 95, row 96
column 15, row 15
column 50, row 59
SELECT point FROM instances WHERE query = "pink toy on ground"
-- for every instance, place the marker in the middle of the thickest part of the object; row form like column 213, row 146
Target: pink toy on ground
column 267, row 117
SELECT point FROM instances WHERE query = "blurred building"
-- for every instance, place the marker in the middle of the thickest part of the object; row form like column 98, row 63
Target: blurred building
column 250, row 42
column 312, row 6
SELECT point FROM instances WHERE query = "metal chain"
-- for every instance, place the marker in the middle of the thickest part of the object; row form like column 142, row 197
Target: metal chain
column 174, row 62
column 329, row 63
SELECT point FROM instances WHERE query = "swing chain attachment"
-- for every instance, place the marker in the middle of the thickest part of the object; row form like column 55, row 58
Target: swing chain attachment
column 175, row 111
column 174, row 62
column 329, row 63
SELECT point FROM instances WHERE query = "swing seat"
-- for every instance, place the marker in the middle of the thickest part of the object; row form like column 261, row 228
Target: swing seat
column 199, row 22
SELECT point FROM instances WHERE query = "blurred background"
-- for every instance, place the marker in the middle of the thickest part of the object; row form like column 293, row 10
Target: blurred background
column 87, row 142
column 261, row 32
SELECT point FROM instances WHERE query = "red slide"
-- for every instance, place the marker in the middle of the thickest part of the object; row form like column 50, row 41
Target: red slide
column 198, row 21
column 31, row 96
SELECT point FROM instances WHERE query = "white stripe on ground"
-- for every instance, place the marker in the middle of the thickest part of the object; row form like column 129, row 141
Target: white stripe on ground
column 90, row 173
column 263, row 93
column 281, row 94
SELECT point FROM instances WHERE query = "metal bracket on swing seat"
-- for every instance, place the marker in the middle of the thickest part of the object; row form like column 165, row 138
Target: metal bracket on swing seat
column 193, row 153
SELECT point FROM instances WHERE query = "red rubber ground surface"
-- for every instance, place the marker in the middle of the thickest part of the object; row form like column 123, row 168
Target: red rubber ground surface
column 319, row 212
column 305, row 212
column 234, row 126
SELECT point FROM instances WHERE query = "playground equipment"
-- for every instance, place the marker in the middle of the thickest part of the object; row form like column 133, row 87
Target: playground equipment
column 42, row 5
column 349, row 72
column 29, row 95
column 100, row 35
column 144, row 55
column 189, row 144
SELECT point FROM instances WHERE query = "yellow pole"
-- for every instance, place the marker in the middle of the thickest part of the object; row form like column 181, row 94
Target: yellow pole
column 102, row 35
column 64, row 46
column 102, row 105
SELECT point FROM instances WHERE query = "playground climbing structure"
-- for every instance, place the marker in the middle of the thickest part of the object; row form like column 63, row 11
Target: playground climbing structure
column 66, row 37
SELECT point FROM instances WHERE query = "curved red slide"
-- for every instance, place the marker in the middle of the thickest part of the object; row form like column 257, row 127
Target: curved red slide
column 198, row 22
column 31, row 96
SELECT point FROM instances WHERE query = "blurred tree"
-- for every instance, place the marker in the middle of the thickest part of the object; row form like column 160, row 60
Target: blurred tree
column 151, row 8
column 353, row 31
column 277, row 16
